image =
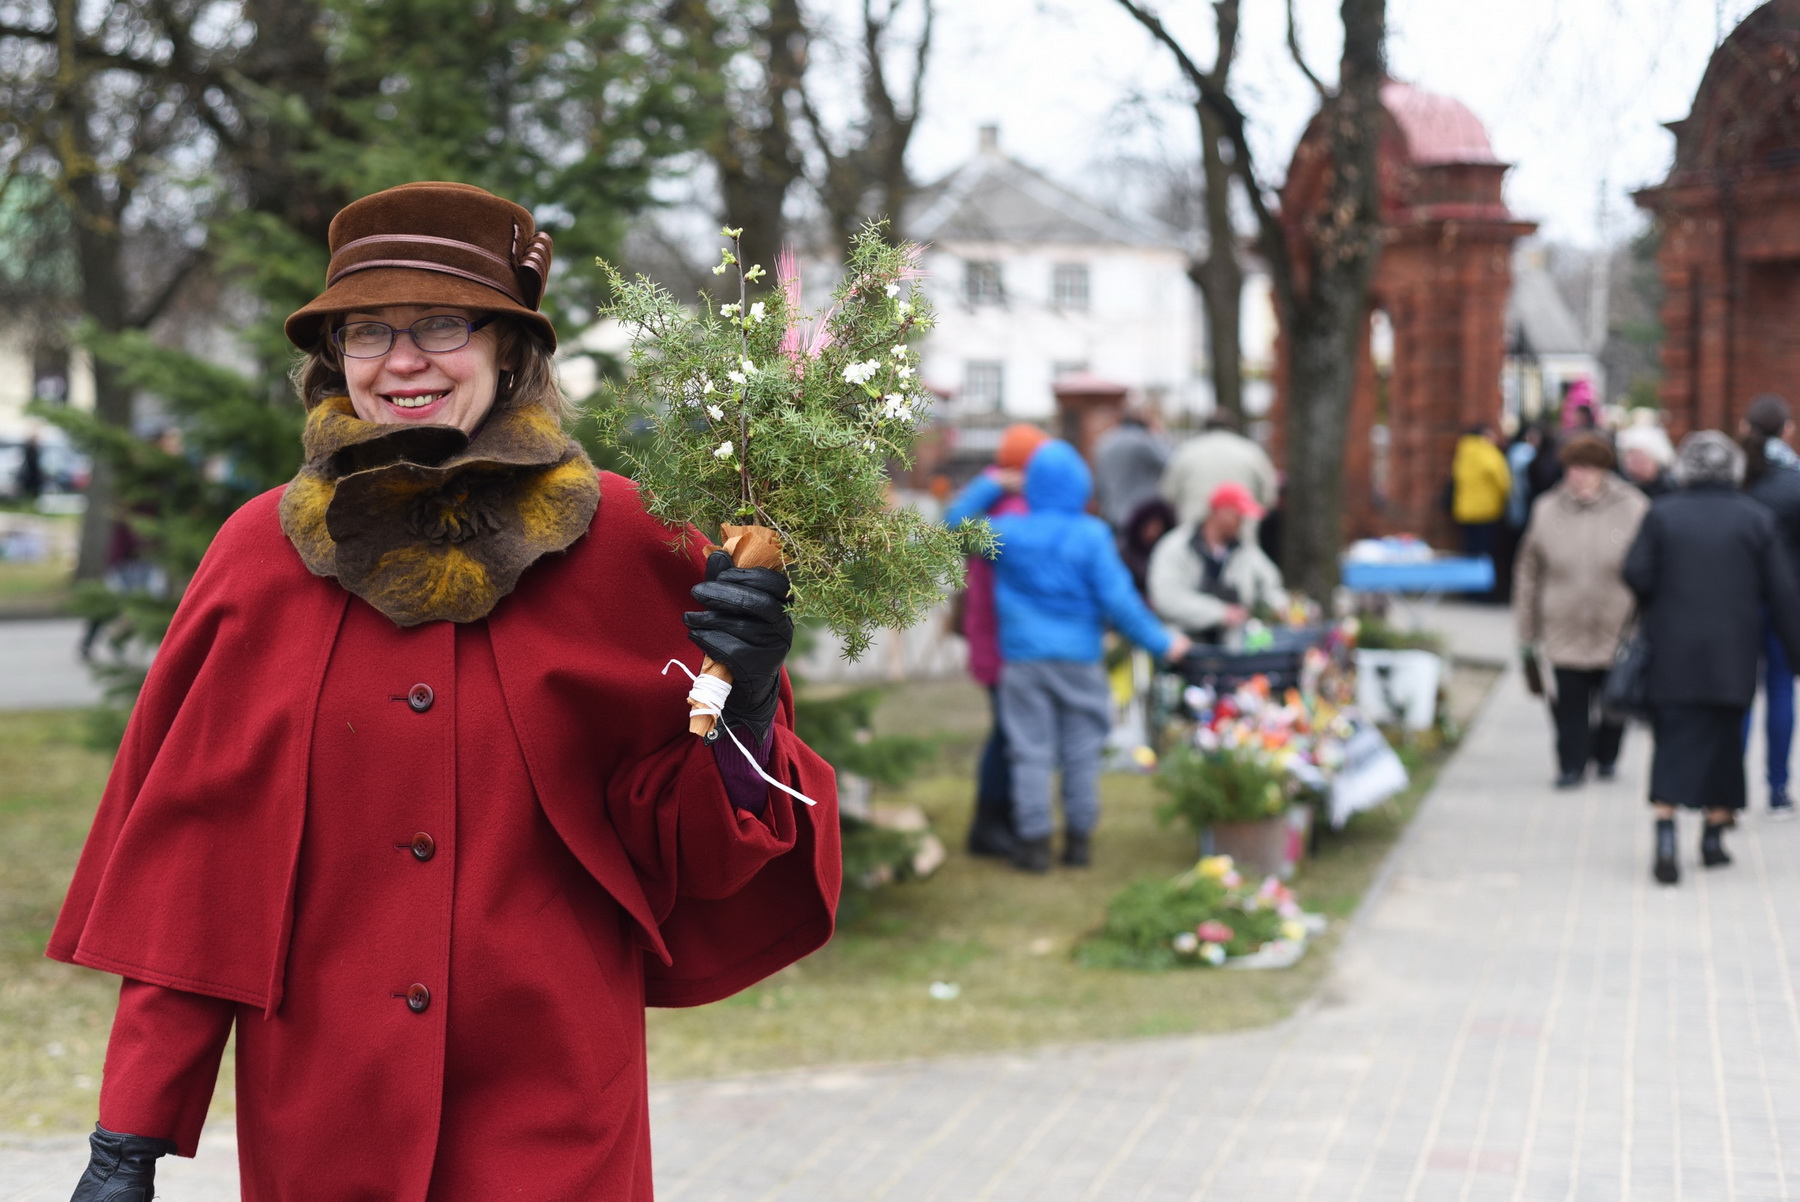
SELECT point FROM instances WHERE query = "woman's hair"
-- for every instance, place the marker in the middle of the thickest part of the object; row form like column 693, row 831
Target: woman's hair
column 1588, row 450
column 531, row 380
column 1709, row 457
column 1766, row 418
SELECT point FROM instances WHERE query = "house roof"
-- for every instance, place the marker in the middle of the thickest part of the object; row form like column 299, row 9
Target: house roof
column 994, row 198
column 1537, row 314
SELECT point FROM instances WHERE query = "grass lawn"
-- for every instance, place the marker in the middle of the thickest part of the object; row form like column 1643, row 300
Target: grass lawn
column 34, row 589
column 1002, row 937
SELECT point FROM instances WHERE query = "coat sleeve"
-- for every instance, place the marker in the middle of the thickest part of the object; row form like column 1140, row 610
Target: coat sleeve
column 1119, row 597
column 162, row 1063
column 1641, row 561
column 1781, row 591
column 977, row 497
column 1527, row 576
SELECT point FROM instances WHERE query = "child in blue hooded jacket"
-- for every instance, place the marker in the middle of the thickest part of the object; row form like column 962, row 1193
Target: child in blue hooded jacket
column 1058, row 584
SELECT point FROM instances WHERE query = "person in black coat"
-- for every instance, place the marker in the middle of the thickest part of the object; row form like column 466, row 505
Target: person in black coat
column 1772, row 476
column 1706, row 565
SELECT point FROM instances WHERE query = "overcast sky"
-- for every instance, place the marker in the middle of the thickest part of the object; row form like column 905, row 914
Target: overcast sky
column 1573, row 92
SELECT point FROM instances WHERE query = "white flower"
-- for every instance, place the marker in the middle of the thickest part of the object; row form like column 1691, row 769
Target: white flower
column 900, row 351
column 893, row 290
column 1212, row 953
column 724, row 451
column 706, row 384
column 895, row 407
column 729, row 310
column 758, row 311
column 748, row 367
column 736, row 377
column 868, row 444
column 1186, row 943
column 716, row 413
column 903, row 308
column 861, row 373
column 905, row 373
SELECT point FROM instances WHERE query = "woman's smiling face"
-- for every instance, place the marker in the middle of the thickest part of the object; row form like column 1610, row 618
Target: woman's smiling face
column 445, row 388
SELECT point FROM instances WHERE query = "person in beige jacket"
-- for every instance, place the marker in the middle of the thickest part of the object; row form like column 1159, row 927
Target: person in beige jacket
column 1571, row 601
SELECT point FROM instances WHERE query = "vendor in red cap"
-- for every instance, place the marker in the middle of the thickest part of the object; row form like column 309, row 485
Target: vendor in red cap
column 1205, row 577
column 405, row 799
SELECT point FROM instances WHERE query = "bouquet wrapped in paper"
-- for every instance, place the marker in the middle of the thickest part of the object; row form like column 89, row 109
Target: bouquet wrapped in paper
column 775, row 427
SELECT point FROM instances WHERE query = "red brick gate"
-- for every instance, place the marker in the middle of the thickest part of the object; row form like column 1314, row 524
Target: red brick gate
column 1443, row 280
column 1730, row 217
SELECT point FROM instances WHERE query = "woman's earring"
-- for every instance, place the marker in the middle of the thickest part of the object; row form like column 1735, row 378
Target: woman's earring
column 506, row 383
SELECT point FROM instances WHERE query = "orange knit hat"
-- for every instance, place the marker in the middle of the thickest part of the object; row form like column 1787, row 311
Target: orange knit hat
column 1018, row 444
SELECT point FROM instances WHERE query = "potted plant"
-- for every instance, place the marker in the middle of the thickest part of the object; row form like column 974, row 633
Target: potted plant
column 1237, row 801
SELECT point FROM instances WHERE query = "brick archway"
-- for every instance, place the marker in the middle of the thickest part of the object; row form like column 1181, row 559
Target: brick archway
column 1443, row 279
column 1730, row 218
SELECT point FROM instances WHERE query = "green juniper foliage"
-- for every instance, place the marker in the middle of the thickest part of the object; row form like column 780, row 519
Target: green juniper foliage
column 1207, row 787
column 762, row 414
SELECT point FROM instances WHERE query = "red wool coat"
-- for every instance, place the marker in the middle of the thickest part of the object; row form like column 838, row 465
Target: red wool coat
column 204, row 852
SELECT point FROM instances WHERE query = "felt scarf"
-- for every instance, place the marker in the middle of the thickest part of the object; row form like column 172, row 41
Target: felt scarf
column 426, row 523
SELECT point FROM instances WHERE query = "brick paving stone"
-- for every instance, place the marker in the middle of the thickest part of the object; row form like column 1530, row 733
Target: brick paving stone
column 1518, row 1013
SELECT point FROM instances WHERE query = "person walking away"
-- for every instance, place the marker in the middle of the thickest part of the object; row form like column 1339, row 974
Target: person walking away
column 1772, row 476
column 1570, row 600
column 991, row 829
column 1219, row 455
column 1706, row 565
column 1480, row 484
column 1208, row 577
column 1128, row 465
column 31, row 470
column 1058, row 584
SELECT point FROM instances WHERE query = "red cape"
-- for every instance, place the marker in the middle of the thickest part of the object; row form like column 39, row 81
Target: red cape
column 187, row 878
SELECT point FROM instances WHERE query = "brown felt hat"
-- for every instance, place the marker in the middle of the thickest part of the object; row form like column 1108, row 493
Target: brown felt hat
column 431, row 244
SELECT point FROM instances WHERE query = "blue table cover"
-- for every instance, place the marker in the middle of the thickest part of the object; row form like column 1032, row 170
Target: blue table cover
column 1451, row 574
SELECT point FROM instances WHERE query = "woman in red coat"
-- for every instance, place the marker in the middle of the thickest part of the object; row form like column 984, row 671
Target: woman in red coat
column 406, row 797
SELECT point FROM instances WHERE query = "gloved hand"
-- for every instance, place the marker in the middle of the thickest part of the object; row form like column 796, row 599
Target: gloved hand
column 746, row 627
column 121, row 1168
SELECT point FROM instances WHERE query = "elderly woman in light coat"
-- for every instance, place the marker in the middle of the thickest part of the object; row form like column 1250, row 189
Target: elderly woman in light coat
column 1571, row 602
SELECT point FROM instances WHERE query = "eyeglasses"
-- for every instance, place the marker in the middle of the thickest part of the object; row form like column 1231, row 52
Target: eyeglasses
column 433, row 335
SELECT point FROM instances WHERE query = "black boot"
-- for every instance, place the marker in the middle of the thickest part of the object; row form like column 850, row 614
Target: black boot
column 1712, row 845
column 991, row 833
column 1077, row 851
column 1666, row 870
column 1032, row 855
column 991, row 837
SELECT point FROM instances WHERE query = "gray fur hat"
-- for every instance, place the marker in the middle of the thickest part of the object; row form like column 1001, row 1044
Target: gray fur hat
column 1709, row 457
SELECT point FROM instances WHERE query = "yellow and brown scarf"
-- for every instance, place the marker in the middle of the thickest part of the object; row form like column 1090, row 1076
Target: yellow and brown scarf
column 426, row 523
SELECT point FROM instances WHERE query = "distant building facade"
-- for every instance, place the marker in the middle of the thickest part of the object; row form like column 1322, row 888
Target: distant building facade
column 1546, row 348
column 1033, row 283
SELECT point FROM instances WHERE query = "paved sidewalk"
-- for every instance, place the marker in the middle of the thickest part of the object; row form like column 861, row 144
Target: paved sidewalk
column 1519, row 1014
column 40, row 667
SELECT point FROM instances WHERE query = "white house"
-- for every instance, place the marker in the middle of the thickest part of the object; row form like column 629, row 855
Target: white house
column 1032, row 281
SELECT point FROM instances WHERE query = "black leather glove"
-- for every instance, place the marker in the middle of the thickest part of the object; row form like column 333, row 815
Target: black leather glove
column 121, row 1168
column 746, row 627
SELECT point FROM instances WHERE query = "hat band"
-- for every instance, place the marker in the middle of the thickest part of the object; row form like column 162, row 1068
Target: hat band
column 504, row 283
column 428, row 265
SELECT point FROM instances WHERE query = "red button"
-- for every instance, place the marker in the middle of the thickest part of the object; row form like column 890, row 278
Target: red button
column 420, row 698
column 423, row 847
column 417, row 998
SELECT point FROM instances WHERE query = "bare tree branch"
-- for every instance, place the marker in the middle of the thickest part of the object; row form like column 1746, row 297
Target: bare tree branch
column 1293, row 44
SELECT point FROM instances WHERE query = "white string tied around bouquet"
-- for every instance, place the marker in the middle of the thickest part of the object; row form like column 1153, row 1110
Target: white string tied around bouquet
column 708, row 696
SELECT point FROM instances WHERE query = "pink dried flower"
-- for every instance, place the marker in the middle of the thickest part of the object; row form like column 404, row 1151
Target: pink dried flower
column 1214, row 931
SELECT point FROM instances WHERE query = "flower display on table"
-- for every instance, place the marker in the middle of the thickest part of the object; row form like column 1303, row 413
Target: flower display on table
column 1206, row 917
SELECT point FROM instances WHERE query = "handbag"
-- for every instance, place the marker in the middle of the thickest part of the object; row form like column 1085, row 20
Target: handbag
column 1626, row 693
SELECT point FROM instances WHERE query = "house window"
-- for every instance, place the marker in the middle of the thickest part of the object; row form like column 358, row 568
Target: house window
column 1069, row 286
column 984, row 386
column 981, row 282
column 1067, row 367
